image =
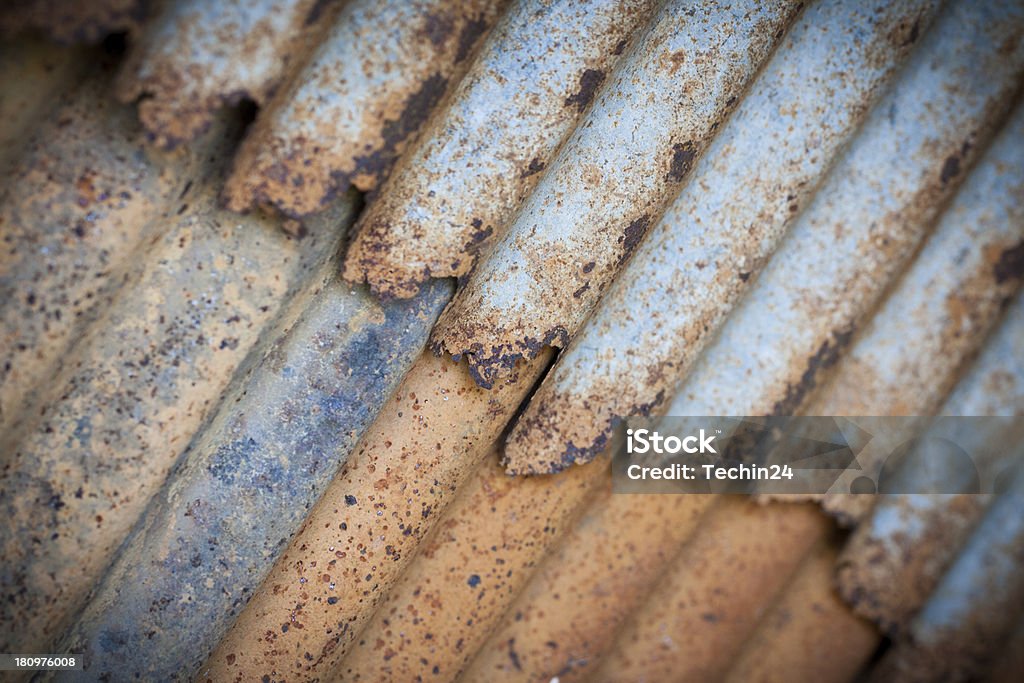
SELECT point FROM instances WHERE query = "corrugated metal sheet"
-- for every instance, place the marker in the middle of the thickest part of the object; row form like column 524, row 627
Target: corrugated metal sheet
column 222, row 461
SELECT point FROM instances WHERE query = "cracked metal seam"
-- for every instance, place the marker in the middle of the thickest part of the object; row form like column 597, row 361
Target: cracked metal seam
column 700, row 258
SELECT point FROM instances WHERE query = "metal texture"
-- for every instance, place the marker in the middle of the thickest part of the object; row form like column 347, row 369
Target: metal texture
column 701, row 594
column 610, row 181
column 868, row 218
column 975, row 607
column 567, row 616
column 897, row 556
column 698, row 260
column 316, row 497
column 484, row 152
column 809, row 633
column 350, row 112
column 85, row 193
column 197, row 56
column 192, row 303
column 481, row 554
column 323, row 377
column 362, row 534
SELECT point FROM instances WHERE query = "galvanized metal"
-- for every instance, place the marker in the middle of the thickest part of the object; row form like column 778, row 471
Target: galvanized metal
column 483, row 153
column 139, row 384
column 365, row 530
column 897, row 556
column 699, row 259
column 586, row 586
column 870, row 216
column 610, row 181
column 346, row 116
column 198, row 56
column 975, row 607
column 323, row 378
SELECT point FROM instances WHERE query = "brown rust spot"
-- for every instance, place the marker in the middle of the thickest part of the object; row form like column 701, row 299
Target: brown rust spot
column 536, row 166
column 1010, row 265
column 590, row 81
column 395, row 132
column 825, row 357
column 631, row 236
column 683, row 154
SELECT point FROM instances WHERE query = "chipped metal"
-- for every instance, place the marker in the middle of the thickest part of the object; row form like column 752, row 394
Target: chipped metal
column 349, row 113
column 699, row 259
column 483, row 153
column 610, row 181
column 198, row 56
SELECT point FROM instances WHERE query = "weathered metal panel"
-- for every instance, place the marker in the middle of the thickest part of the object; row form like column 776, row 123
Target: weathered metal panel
column 698, row 260
column 481, row 155
column 785, row 337
column 197, row 56
column 907, row 357
column 84, row 194
column 352, row 110
column 696, row 619
column 975, row 607
column 284, row 428
column 466, row 576
column 897, row 555
column 585, row 587
column 188, row 307
column 609, row 182
column 424, row 445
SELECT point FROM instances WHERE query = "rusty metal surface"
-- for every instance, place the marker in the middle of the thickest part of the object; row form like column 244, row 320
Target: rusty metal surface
column 323, row 377
column 351, row 111
column 809, row 633
column 84, row 194
column 701, row 594
column 194, row 299
column 197, row 56
column 426, row 442
column 868, row 218
column 906, row 358
column 610, row 181
column 73, row 21
column 318, row 497
column 482, row 553
column 568, row 614
column 699, row 258
column 896, row 557
column 975, row 607
column 484, row 152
